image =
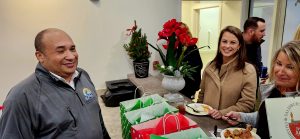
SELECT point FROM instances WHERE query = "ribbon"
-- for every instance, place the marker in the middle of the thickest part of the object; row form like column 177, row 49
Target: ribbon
column 131, row 30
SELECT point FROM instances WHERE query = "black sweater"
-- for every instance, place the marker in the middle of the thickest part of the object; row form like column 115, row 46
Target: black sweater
column 194, row 59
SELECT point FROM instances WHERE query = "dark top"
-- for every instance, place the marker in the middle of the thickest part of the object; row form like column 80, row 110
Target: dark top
column 262, row 121
column 194, row 59
column 44, row 107
column 254, row 55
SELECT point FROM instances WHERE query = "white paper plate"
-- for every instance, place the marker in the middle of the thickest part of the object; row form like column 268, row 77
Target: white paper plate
column 254, row 135
column 203, row 108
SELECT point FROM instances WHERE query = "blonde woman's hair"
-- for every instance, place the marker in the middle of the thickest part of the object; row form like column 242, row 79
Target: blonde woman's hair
column 292, row 50
column 297, row 34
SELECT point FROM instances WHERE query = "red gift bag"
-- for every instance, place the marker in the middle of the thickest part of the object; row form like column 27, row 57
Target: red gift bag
column 167, row 124
column 1, row 108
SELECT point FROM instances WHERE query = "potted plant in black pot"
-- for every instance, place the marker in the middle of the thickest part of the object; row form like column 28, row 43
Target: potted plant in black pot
column 137, row 49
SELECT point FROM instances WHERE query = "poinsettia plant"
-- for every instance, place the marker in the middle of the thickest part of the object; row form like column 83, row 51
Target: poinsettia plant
column 177, row 38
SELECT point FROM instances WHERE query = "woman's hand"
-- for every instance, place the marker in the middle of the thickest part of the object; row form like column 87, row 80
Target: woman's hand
column 263, row 80
column 215, row 114
column 233, row 118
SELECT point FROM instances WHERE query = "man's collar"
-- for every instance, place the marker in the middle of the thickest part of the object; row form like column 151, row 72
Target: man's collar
column 75, row 74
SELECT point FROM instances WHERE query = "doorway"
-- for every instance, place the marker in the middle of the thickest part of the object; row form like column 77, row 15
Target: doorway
column 265, row 10
column 205, row 20
column 208, row 32
column 209, row 27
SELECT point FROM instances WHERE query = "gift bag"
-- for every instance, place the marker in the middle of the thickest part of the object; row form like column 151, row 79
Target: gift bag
column 192, row 133
column 152, row 136
column 167, row 124
column 142, row 115
column 134, row 104
column 1, row 108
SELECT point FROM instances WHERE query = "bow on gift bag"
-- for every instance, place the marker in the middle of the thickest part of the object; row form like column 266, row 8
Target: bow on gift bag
column 192, row 133
column 167, row 124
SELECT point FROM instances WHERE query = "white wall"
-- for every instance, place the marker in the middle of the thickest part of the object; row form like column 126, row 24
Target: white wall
column 97, row 29
column 231, row 14
column 292, row 21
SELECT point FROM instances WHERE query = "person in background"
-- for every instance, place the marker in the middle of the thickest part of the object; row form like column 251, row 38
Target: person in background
column 285, row 75
column 254, row 31
column 229, row 82
column 297, row 34
column 58, row 100
column 192, row 56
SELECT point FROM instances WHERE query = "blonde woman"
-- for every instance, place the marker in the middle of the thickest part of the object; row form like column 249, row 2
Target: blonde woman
column 285, row 73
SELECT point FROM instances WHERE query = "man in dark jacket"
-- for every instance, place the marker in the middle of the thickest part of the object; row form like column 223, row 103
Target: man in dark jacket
column 57, row 101
column 254, row 31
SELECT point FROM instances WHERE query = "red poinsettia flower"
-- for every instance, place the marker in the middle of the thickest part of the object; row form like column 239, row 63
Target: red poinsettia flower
column 187, row 40
column 176, row 34
column 171, row 24
column 192, row 41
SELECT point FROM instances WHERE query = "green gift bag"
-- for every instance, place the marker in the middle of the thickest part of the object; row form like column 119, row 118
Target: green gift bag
column 134, row 104
column 142, row 115
column 192, row 133
column 157, row 137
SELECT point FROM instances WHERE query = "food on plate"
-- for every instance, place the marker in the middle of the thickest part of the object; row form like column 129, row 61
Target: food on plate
column 239, row 133
column 197, row 109
column 227, row 134
column 206, row 108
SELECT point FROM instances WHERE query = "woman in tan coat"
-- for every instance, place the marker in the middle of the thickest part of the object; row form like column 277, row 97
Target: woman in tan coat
column 229, row 83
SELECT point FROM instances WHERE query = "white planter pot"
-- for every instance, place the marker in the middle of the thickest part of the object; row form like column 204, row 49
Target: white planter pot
column 172, row 83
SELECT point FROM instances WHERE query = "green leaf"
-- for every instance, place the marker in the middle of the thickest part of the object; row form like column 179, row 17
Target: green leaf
column 162, row 56
column 170, row 58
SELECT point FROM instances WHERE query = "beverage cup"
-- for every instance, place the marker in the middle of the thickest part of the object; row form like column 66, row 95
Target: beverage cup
column 264, row 72
column 181, row 107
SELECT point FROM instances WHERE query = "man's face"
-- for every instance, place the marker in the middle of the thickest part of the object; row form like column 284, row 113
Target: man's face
column 59, row 55
column 259, row 32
